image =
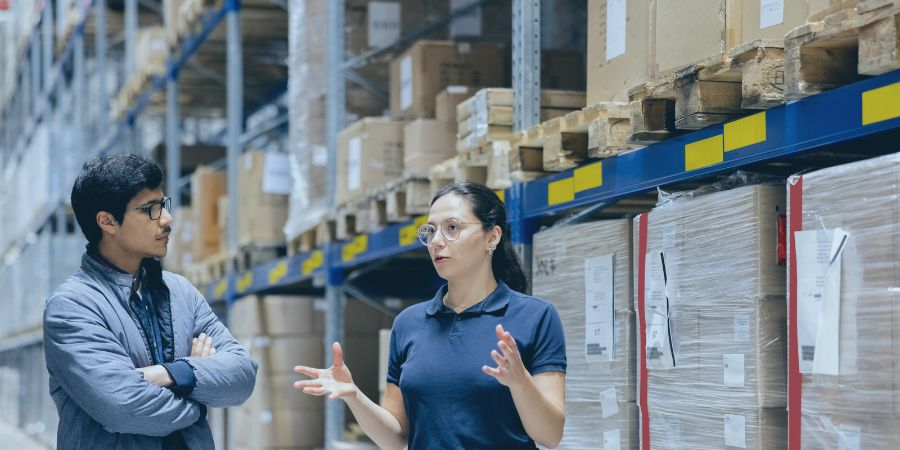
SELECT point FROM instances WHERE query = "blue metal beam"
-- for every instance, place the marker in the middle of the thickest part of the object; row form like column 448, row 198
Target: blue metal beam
column 802, row 126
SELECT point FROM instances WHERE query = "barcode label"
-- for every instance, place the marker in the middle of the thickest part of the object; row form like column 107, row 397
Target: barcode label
column 595, row 349
column 809, row 352
column 654, row 353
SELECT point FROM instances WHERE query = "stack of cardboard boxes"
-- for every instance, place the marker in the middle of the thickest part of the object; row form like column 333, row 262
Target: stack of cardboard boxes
column 630, row 43
column 585, row 271
column 713, row 370
column 279, row 332
column 844, row 311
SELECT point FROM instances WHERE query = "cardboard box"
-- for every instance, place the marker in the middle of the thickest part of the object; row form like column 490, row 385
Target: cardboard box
column 370, row 153
column 180, row 254
column 207, row 186
column 445, row 102
column 714, row 350
column 860, row 395
column 707, row 28
column 279, row 355
column 618, row 50
column 427, row 142
column 279, row 428
column 276, row 316
column 586, row 268
column 818, row 9
column 426, row 68
column 264, row 182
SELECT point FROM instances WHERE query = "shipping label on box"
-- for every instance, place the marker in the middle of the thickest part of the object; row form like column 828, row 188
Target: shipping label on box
column 599, row 304
column 384, row 23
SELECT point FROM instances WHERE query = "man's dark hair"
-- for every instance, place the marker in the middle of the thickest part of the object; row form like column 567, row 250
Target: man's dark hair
column 108, row 183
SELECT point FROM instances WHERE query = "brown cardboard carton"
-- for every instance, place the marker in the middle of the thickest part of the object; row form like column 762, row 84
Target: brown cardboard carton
column 445, row 102
column 275, row 315
column 180, row 255
column 427, row 142
column 818, row 9
column 370, row 153
column 759, row 19
column 561, row 69
column 206, row 187
column 279, row 428
column 422, row 71
column 609, row 78
column 264, row 182
column 279, row 355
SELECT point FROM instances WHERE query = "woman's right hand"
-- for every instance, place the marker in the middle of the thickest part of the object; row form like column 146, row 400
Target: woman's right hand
column 335, row 380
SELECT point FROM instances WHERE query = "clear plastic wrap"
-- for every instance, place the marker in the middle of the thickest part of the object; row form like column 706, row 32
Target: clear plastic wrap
column 714, row 306
column 306, row 108
column 581, row 268
column 854, row 403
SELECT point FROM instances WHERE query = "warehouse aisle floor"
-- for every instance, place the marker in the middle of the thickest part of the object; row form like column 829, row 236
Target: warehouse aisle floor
column 12, row 437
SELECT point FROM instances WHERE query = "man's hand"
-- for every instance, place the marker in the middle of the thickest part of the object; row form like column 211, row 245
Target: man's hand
column 202, row 346
column 157, row 375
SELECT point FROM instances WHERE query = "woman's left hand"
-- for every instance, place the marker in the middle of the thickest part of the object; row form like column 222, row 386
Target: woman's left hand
column 510, row 370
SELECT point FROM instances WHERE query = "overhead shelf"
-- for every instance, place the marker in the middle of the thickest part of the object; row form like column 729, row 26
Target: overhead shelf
column 865, row 109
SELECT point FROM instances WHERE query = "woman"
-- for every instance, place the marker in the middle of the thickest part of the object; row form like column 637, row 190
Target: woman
column 457, row 377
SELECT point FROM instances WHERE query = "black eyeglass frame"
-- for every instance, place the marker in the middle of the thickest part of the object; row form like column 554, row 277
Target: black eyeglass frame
column 166, row 203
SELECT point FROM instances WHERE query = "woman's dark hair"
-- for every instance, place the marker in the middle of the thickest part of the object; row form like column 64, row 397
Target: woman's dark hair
column 488, row 208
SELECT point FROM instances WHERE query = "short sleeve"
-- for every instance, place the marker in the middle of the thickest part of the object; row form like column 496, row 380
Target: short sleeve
column 549, row 344
column 395, row 359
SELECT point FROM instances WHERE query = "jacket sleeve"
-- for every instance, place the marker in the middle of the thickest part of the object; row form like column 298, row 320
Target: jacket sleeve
column 228, row 377
column 97, row 373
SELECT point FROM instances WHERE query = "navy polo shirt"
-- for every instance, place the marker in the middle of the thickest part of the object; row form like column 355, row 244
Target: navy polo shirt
column 436, row 358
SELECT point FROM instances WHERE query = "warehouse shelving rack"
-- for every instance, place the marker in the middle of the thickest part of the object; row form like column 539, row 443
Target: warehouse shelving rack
column 848, row 123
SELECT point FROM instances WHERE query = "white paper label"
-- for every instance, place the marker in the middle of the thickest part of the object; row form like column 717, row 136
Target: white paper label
column 612, row 440
column 741, row 328
column 406, row 82
column 320, row 155
column 848, row 437
column 599, row 305
column 354, row 164
column 812, row 249
column 656, row 309
column 734, row 369
column 827, row 356
column 735, row 431
column 277, row 177
column 248, row 161
column 468, row 25
column 615, row 28
column 384, row 23
column 609, row 403
column 265, row 416
column 457, row 89
column 771, row 13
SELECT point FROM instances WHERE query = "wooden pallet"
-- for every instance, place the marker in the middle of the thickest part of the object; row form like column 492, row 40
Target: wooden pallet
column 398, row 201
column 609, row 131
column 212, row 268
column 844, row 47
column 326, row 230
column 721, row 88
column 254, row 254
column 458, row 169
column 510, row 164
column 304, row 242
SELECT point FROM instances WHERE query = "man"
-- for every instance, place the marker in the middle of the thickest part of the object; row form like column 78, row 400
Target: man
column 135, row 354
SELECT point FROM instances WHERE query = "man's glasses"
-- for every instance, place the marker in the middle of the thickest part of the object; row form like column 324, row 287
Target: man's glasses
column 154, row 210
column 450, row 228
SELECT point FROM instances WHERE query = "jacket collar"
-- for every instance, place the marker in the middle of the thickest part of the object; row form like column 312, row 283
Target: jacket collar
column 94, row 263
column 494, row 302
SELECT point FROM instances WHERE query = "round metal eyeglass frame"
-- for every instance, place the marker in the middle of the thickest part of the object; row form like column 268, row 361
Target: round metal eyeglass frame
column 154, row 210
column 450, row 228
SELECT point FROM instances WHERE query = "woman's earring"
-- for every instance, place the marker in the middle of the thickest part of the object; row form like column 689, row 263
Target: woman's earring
column 491, row 249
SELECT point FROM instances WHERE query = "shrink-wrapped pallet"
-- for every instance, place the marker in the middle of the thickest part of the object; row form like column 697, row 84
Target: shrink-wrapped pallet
column 844, row 310
column 584, row 270
column 710, row 298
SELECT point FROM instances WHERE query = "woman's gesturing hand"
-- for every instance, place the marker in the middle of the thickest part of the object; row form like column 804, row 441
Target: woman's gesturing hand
column 335, row 380
column 510, row 369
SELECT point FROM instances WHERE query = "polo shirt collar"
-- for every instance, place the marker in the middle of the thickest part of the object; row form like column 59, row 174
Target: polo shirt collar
column 494, row 302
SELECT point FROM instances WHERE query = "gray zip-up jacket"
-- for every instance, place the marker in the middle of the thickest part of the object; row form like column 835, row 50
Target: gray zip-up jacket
column 93, row 347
